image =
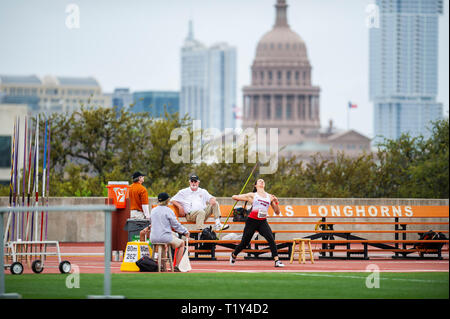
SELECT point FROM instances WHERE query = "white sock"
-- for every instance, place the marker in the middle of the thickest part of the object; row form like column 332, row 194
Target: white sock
column 218, row 221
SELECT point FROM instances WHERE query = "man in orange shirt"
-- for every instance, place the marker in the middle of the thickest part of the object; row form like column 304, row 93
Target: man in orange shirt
column 139, row 207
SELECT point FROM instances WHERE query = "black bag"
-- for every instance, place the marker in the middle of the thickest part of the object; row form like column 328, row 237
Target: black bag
column 430, row 235
column 240, row 214
column 207, row 234
column 146, row 264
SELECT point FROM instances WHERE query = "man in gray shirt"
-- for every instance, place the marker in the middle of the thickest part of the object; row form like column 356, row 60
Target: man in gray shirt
column 163, row 220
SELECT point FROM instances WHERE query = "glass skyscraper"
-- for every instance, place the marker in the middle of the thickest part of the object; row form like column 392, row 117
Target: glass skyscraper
column 404, row 67
column 154, row 102
column 208, row 83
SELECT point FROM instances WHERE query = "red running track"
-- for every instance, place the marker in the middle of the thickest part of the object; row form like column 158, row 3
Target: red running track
column 89, row 259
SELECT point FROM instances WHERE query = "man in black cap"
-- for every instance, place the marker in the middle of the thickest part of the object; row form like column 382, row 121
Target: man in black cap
column 139, row 207
column 197, row 204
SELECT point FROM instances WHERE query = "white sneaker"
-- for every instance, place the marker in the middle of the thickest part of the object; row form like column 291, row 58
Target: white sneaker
column 219, row 227
column 278, row 264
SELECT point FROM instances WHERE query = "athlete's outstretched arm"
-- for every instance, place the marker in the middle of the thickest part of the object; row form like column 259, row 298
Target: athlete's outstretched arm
column 244, row 197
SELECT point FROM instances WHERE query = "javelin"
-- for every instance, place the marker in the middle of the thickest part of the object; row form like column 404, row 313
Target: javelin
column 253, row 170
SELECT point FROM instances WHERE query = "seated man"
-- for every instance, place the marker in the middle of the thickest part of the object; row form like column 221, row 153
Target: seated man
column 196, row 204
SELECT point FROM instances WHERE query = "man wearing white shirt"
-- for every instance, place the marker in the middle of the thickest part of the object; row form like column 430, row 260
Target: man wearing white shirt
column 196, row 204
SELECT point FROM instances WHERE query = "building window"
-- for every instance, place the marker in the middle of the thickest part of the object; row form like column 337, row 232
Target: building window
column 51, row 91
column 278, row 108
column 255, row 107
column 301, row 107
column 267, row 106
column 289, row 111
column 289, row 103
column 5, row 151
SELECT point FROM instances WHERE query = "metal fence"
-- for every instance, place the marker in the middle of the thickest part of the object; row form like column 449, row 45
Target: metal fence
column 107, row 209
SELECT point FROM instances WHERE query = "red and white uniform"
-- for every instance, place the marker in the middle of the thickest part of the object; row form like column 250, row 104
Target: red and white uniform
column 260, row 207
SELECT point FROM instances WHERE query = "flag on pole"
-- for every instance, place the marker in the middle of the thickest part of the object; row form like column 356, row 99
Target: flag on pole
column 352, row 106
column 237, row 113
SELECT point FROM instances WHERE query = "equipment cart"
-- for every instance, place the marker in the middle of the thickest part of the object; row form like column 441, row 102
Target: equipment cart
column 16, row 252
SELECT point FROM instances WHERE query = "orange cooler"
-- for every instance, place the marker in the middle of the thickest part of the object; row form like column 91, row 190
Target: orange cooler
column 118, row 192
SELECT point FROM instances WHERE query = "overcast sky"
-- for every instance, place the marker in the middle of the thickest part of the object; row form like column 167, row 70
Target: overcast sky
column 136, row 44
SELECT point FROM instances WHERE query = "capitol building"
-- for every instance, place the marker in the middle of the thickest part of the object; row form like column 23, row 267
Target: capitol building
column 282, row 95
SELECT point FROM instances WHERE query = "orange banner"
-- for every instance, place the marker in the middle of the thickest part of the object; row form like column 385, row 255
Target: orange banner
column 349, row 211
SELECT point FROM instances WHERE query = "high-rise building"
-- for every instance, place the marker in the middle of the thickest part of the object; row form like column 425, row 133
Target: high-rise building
column 156, row 102
column 121, row 98
column 404, row 67
column 52, row 93
column 208, row 83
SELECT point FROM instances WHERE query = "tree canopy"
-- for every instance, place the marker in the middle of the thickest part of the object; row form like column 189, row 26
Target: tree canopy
column 95, row 145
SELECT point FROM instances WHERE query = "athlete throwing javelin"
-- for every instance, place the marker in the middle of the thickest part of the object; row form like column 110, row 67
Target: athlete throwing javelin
column 257, row 219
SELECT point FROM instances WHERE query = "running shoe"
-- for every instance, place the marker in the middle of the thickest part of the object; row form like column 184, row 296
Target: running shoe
column 232, row 259
column 219, row 227
column 278, row 264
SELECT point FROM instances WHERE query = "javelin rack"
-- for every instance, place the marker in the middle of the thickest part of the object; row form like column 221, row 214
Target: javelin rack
column 16, row 267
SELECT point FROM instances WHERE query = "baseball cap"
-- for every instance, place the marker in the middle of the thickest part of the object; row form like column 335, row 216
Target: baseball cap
column 162, row 197
column 194, row 177
column 137, row 174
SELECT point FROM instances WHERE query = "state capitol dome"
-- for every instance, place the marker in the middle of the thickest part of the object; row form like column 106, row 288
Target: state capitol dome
column 281, row 94
column 281, row 44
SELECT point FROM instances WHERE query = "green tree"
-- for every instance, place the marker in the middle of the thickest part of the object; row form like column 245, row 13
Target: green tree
column 95, row 145
column 415, row 167
column 430, row 172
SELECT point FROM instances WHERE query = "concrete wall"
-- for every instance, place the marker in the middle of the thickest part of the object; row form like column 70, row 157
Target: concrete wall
column 89, row 226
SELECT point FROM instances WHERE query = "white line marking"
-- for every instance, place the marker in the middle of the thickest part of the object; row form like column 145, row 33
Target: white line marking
column 300, row 272
column 362, row 277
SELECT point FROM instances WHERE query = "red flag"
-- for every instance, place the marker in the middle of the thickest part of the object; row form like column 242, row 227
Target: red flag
column 352, row 106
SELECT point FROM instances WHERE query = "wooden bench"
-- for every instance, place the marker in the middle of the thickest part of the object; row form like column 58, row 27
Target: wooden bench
column 362, row 231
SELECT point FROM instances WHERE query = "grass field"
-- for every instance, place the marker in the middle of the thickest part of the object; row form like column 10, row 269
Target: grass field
column 236, row 285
